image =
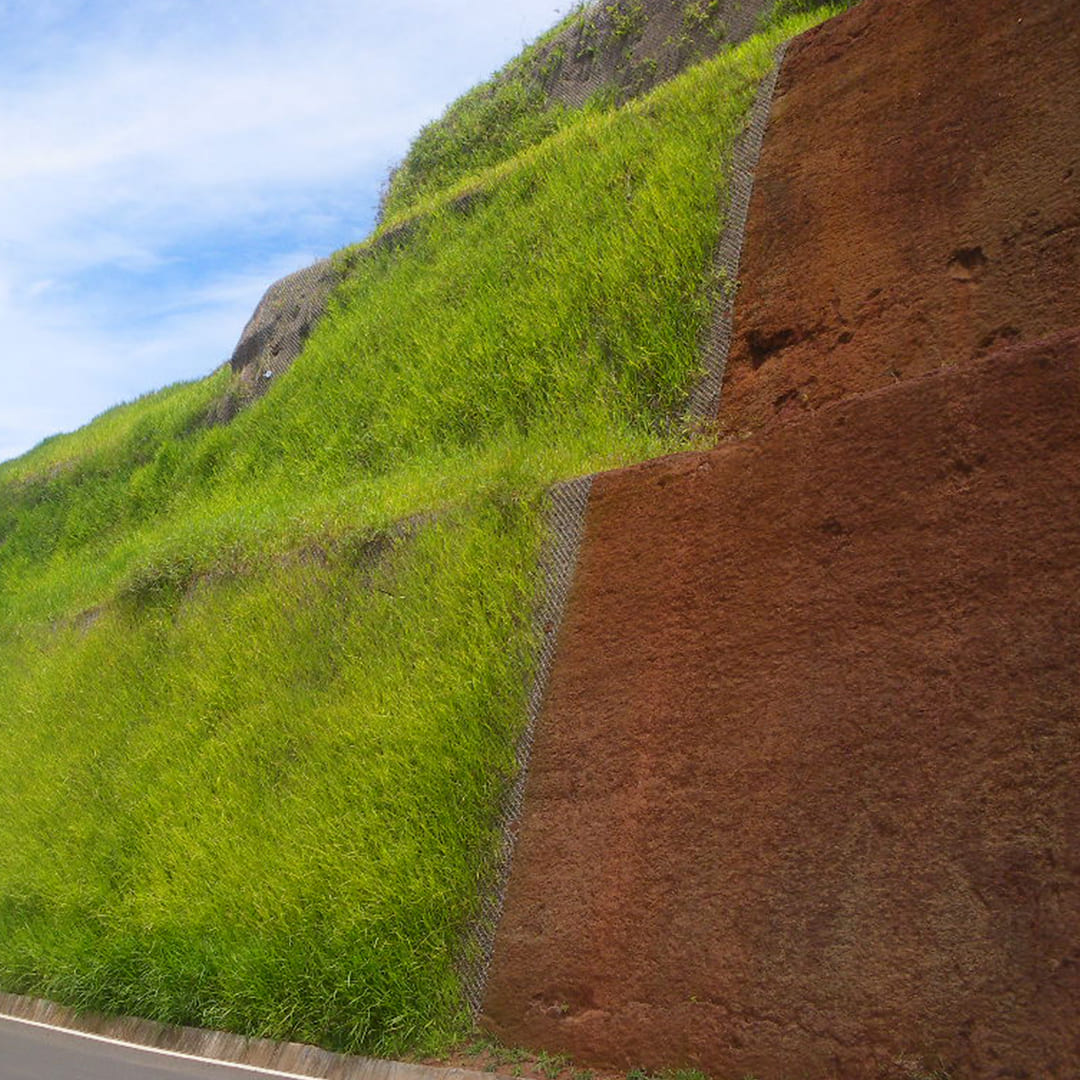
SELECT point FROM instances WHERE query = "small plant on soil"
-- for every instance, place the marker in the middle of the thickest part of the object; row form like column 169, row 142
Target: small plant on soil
column 627, row 19
column 699, row 12
column 670, row 1074
column 913, row 1068
column 551, row 1064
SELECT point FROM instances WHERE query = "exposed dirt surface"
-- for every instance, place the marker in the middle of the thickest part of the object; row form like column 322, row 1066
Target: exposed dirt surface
column 805, row 796
column 917, row 201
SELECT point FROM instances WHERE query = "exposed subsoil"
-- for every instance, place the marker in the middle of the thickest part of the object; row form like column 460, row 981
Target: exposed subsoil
column 917, row 201
column 804, row 800
column 805, row 796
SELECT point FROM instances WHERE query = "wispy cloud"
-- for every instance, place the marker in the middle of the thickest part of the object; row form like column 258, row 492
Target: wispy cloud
column 165, row 160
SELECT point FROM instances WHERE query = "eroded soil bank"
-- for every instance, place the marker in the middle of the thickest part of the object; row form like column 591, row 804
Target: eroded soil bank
column 917, row 201
column 806, row 794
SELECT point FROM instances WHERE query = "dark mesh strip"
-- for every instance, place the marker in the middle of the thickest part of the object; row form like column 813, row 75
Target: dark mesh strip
column 704, row 404
column 566, row 521
column 565, row 525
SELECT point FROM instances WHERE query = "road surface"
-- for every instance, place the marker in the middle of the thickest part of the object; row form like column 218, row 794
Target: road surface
column 30, row 1051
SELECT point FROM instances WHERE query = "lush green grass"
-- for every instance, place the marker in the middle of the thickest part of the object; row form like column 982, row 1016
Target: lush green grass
column 267, row 807
column 491, row 123
column 550, row 331
column 786, row 9
column 488, row 125
column 252, row 744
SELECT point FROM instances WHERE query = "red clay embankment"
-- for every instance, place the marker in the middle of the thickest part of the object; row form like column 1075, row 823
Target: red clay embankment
column 917, row 201
column 805, row 796
column 806, row 792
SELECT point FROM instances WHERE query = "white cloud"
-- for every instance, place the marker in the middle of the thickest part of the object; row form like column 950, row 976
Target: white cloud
column 164, row 161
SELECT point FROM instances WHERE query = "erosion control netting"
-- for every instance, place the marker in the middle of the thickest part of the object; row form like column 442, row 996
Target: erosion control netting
column 565, row 524
column 569, row 503
column 705, row 397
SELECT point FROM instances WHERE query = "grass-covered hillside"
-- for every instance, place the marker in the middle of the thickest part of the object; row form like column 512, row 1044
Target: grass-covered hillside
column 599, row 55
column 262, row 680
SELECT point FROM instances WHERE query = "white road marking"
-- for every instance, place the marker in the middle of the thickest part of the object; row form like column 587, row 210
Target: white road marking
column 158, row 1050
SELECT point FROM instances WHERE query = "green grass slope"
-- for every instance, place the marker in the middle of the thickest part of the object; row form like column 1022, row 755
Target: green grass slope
column 598, row 55
column 262, row 681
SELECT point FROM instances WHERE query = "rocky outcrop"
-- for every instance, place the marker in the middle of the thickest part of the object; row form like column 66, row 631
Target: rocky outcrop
column 276, row 332
column 630, row 46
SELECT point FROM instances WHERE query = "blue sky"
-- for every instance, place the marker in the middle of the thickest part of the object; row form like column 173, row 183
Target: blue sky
column 163, row 161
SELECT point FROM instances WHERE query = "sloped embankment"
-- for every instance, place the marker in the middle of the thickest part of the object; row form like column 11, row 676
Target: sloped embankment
column 599, row 55
column 803, row 800
column 263, row 680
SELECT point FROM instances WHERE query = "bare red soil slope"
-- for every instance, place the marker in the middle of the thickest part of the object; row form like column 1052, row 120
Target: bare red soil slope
column 806, row 793
column 805, row 796
column 917, row 201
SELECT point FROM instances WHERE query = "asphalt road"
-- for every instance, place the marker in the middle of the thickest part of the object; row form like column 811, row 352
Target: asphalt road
column 28, row 1052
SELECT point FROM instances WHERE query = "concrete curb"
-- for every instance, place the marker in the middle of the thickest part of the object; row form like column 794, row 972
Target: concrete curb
column 221, row 1046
